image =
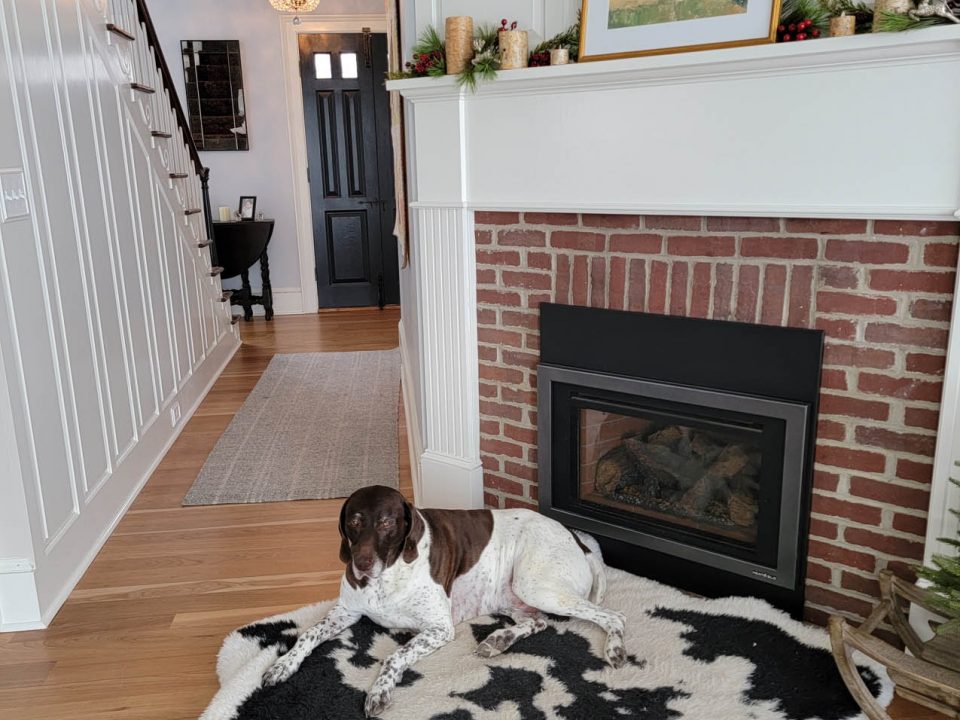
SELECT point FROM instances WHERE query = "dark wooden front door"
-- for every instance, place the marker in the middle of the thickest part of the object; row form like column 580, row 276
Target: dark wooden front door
column 347, row 117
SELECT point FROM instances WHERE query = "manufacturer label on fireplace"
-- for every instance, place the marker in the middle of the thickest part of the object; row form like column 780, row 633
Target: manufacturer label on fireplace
column 764, row 575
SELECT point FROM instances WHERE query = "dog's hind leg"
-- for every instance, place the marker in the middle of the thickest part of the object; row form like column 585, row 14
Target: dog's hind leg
column 569, row 605
column 336, row 621
column 525, row 625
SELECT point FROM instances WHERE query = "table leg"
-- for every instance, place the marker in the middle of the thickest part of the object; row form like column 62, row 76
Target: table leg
column 267, row 293
column 247, row 292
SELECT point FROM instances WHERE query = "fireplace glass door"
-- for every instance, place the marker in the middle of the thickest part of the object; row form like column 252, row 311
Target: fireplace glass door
column 701, row 475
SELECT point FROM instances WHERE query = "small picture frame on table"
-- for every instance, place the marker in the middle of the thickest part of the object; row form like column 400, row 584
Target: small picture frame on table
column 248, row 207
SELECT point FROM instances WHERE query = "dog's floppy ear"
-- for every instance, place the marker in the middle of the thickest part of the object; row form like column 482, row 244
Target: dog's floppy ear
column 413, row 533
column 345, row 556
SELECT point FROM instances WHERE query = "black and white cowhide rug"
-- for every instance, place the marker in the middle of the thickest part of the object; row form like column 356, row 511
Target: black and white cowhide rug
column 690, row 658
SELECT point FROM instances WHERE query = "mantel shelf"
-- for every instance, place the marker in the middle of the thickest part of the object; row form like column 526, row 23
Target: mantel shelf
column 781, row 58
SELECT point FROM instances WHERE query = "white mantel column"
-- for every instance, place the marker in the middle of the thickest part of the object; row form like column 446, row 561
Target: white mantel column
column 442, row 230
column 451, row 474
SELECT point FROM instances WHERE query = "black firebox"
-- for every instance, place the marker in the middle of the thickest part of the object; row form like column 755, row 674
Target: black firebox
column 685, row 446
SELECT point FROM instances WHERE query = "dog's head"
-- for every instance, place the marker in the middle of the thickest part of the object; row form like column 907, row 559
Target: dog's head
column 378, row 526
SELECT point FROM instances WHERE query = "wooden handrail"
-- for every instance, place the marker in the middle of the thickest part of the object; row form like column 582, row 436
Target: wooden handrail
column 143, row 15
column 177, row 106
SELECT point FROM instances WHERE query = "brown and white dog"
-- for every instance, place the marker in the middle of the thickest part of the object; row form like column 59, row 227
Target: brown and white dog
column 429, row 570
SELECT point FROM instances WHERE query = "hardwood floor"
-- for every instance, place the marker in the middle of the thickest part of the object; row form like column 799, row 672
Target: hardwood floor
column 137, row 639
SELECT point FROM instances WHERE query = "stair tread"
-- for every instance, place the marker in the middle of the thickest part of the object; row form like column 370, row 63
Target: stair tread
column 120, row 32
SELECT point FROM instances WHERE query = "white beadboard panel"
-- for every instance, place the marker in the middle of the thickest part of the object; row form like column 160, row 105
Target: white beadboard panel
column 540, row 18
column 447, row 281
column 108, row 313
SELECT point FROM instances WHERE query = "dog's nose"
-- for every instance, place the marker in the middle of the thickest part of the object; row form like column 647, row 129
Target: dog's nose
column 363, row 563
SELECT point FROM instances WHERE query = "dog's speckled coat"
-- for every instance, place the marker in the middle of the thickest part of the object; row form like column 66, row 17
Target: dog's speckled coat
column 523, row 564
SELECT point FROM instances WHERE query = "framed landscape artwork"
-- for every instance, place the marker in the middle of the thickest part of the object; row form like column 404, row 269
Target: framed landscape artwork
column 627, row 28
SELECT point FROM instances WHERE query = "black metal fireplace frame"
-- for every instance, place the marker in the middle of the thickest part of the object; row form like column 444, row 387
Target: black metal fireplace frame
column 795, row 415
column 765, row 371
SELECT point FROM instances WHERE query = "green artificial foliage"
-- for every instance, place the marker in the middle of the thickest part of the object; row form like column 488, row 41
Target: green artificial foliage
column 944, row 578
column 486, row 58
column 795, row 11
column 429, row 57
column 895, row 22
column 857, row 8
column 569, row 39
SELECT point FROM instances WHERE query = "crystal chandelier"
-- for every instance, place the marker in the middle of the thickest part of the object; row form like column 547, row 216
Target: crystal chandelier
column 295, row 6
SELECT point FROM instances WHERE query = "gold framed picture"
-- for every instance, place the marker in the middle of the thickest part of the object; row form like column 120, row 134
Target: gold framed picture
column 614, row 29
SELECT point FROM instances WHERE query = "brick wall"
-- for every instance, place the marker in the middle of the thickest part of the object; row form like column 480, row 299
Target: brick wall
column 880, row 290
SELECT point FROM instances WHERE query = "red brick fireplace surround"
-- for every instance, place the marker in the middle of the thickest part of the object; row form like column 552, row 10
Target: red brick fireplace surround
column 880, row 290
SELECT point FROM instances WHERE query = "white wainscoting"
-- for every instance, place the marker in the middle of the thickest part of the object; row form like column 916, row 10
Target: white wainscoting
column 699, row 133
column 111, row 325
column 542, row 19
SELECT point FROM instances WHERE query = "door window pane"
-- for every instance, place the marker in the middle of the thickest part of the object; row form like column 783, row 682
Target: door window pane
column 321, row 62
column 348, row 65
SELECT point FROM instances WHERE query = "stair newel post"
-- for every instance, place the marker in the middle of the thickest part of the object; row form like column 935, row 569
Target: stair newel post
column 207, row 213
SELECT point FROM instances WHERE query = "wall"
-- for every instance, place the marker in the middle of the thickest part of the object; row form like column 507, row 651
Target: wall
column 111, row 326
column 541, row 18
column 881, row 290
column 266, row 170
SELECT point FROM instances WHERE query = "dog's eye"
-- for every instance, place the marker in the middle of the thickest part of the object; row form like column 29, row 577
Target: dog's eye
column 387, row 522
column 355, row 522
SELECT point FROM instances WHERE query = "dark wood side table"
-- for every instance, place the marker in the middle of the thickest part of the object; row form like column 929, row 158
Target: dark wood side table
column 239, row 245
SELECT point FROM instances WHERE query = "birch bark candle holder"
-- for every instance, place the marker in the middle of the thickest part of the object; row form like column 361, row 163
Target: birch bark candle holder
column 458, row 38
column 559, row 56
column 843, row 25
column 900, row 7
column 514, row 50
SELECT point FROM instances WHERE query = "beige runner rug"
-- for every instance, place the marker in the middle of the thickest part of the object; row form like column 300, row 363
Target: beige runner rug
column 317, row 425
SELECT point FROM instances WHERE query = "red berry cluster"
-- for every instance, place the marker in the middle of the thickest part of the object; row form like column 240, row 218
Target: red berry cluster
column 540, row 58
column 802, row 30
column 424, row 61
column 503, row 25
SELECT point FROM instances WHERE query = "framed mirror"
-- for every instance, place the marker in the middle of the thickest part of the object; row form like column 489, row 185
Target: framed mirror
column 215, row 99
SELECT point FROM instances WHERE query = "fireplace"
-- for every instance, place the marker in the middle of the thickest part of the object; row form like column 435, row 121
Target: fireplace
column 684, row 445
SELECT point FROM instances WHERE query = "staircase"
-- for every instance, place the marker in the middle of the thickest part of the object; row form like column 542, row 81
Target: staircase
column 113, row 321
column 132, row 35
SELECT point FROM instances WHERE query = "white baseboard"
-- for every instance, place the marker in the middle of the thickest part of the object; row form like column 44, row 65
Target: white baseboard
column 450, row 482
column 412, row 416
column 19, row 605
column 221, row 355
column 286, row 301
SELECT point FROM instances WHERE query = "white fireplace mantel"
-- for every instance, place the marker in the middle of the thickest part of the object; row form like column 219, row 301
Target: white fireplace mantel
column 856, row 127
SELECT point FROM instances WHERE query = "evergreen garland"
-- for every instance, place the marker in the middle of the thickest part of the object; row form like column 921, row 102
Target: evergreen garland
column 486, row 58
column 944, row 578
column 796, row 11
column 895, row 22
column 857, row 8
column 429, row 57
column 569, row 39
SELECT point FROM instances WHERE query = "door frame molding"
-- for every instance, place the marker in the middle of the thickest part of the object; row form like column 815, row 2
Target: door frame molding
column 302, row 202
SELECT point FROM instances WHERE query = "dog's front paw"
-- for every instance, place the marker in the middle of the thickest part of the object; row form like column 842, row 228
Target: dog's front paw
column 378, row 699
column 277, row 673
